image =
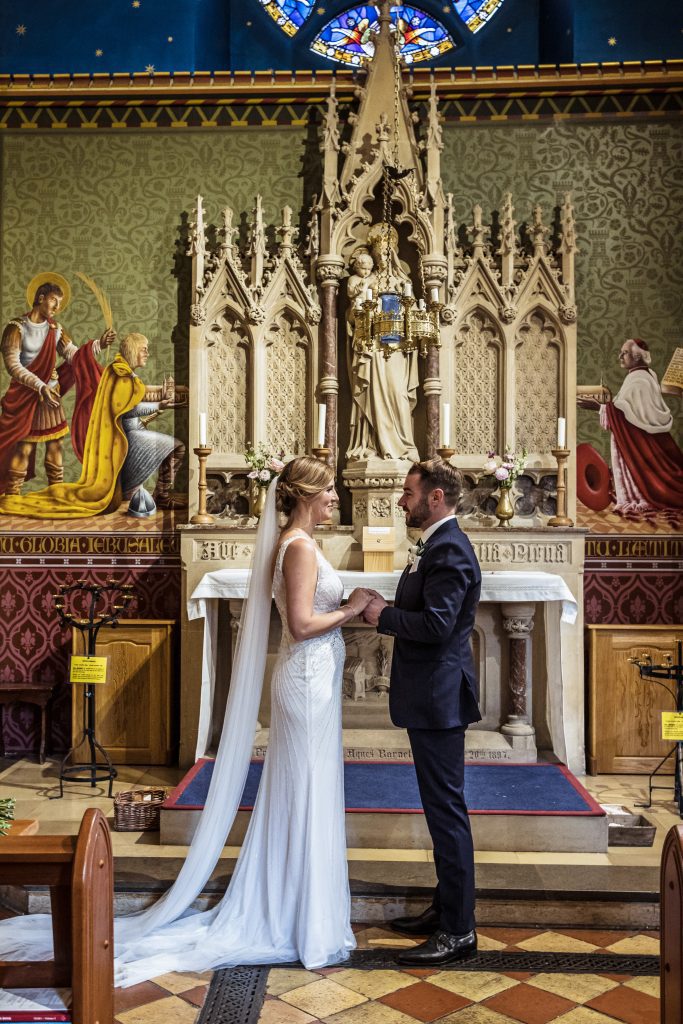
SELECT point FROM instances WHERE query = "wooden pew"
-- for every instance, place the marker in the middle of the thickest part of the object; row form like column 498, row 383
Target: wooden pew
column 79, row 871
column 671, row 928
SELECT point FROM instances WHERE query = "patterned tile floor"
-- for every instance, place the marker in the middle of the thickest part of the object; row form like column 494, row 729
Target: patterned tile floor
column 339, row 995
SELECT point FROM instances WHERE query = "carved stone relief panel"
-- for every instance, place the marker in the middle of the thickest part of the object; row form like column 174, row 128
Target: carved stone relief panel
column 228, row 383
column 478, row 366
column 288, row 371
column 538, row 368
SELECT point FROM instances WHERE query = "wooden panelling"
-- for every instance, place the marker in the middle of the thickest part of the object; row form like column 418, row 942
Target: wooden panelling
column 624, row 734
column 134, row 706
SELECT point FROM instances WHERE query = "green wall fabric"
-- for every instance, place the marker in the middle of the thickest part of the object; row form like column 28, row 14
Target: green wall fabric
column 117, row 207
column 626, row 181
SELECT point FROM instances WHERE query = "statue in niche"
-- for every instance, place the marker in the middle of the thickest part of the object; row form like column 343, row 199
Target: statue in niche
column 384, row 390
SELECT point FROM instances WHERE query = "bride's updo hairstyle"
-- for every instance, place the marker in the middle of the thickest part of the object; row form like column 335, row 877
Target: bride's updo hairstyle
column 302, row 478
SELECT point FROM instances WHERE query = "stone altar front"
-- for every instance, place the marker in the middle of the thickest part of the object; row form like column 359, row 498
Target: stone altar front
column 528, row 643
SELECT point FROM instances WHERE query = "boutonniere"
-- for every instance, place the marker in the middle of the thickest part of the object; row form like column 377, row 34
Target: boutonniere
column 415, row 551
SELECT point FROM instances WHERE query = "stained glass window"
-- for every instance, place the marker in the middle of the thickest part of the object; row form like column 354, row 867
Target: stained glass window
column 349, row 38
column 289, row 14
column 475, row 13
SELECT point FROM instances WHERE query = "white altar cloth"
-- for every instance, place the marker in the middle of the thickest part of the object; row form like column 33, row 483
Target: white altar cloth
column 501, row 587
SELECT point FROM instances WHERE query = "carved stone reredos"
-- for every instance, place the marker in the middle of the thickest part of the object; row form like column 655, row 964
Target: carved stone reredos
column 348, row 192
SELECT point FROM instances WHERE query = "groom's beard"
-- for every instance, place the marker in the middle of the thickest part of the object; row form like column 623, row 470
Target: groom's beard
column 419, row 515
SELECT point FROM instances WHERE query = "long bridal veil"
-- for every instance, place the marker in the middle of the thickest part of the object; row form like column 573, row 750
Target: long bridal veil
column 157, row 940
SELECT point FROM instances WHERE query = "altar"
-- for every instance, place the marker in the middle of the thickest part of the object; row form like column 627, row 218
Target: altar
column 393, row 332
column 527, row 644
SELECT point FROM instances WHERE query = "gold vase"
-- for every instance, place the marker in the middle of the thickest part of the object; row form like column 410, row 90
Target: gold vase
column 258, row 498
column 504, row 509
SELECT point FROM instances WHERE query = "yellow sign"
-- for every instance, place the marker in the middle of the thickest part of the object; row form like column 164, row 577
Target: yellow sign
column 89, row 670
column 672, row 725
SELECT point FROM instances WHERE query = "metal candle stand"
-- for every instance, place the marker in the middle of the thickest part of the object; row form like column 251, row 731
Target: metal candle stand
column 90, row 627
column 672, row 672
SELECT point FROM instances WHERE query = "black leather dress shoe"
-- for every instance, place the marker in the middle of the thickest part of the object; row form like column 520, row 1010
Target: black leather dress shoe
column 424, row 924
column 441, row 948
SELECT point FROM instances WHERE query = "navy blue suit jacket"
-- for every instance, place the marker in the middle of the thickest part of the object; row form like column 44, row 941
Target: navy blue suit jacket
column 433, row 684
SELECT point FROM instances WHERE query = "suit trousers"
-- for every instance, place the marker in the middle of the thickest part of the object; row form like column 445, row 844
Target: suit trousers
column 439, row 756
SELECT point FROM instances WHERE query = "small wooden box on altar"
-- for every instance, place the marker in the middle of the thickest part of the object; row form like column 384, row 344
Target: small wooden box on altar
column 379, row 544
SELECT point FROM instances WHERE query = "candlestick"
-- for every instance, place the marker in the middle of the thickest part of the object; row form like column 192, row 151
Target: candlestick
column 202, row 430
column 561, row 432
column 202, row 517
column 446, row 431
column 322, row 417
column 561, row 519
column 322, row 453
column 445, row 453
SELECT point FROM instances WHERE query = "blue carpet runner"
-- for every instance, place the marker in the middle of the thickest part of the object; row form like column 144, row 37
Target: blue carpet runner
column 391, row 787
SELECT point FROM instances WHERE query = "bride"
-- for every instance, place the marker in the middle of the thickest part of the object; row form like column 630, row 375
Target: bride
column 288, row 898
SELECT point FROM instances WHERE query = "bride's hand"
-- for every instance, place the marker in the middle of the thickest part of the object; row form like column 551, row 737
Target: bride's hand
column 359, row 599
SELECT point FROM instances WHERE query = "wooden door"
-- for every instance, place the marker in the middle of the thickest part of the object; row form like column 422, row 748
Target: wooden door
column 134, row 706
column 625, row 728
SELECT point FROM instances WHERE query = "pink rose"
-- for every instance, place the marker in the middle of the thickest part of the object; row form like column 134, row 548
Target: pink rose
column 501, row 473
column 276, row 465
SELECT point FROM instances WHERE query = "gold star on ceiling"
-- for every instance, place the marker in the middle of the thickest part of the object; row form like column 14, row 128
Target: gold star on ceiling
column 149, row 68
column 170, row 39
column 21, row 30
column 136, row 3
column 98, row 53
column 612, row 41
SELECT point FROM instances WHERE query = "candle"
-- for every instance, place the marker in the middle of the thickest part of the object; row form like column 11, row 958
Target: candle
column 322, row 413
column 446, row 429
column 368, row 294
column 408, row 290
column 421, row 304
column 434, row 294
column 202, row 430
column 561, row 432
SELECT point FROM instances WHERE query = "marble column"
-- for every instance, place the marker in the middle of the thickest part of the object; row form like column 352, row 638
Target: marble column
column 432, row 390
column 435, row 268
column 518, row 623
column 329, row 270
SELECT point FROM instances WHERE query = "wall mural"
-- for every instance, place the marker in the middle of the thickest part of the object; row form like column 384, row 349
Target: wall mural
column 134, row 461
column 629, row 219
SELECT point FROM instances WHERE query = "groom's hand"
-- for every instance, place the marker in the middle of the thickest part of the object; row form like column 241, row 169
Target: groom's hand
column 372, row 612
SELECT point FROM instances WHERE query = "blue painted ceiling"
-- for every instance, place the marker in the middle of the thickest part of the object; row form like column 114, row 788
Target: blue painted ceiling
column 72, row 36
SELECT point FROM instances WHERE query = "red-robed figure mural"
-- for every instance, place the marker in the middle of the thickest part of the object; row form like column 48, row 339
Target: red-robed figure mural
column 32, row 410
column 647, row 464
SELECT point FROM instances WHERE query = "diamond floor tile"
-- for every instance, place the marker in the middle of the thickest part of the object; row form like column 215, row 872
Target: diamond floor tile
column 374, row 984
column 425, row 1002
column 628, row 1005
column 529, row 1005
column 474, row 985
column 323, row 998
column 578, row 988
column 274, row 1011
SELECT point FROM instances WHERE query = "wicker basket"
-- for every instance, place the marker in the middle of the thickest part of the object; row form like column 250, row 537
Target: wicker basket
column 138, row 810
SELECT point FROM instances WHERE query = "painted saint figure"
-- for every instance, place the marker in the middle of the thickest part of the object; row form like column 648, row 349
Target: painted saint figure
column 647, row 464
column 384, row 389
column 32, row 410
column 119, row 454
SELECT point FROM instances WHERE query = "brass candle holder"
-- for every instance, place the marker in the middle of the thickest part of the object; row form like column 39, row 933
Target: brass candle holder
column 561, row 519
column 201, row 516
column 445, row 453
column 322, row 454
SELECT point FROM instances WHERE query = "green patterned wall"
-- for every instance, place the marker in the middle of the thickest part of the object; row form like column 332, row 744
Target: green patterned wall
column 117, row 208
column 626, row 180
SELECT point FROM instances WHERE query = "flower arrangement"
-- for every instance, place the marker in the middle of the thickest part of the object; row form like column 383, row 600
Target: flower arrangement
column 264, row 465
column 6, row 814
column 507, row 467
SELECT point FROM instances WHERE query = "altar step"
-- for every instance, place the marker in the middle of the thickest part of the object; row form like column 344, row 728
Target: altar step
column 552, row 890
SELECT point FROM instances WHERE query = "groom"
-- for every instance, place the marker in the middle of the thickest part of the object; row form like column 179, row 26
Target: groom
column 433, row 695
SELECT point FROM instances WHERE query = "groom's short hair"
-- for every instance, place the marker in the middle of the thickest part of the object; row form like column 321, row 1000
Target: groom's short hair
column 435, row 473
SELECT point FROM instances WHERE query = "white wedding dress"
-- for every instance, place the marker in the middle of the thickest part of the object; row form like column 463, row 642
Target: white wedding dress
column 289, row 895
